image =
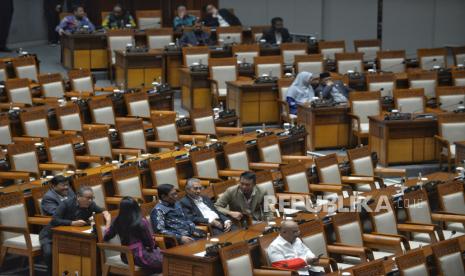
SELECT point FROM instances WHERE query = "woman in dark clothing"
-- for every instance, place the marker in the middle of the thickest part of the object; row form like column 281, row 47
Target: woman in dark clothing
column 135, row 232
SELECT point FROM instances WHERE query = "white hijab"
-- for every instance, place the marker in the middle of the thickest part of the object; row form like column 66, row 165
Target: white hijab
column 301, row 90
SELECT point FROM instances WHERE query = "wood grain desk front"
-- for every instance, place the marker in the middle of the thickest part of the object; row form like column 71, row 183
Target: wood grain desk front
column 87, row 51
column 403, row 141
column 195, row 89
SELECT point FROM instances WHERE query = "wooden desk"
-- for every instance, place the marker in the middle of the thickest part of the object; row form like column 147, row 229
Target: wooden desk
column 255, row 104
column 403, row 141
column 75, row 251
column 87, row 51
column 327, row 127
column 195, row 89
column 459, row 152
column 135, row 70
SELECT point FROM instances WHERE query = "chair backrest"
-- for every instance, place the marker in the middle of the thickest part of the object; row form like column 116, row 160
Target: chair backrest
column 220, row 187
column 246, row 52
column 417, row 206
column 328, row 169
column 450, row 97
column 329, row 48
column 448, row 256
column 230, row 35
column 12, row 213
column 458, row 77
column 459, row 55
column 164, row 171
column 196, row 13
column 360, row 161
column 385, row 83
column 264, row 181
column 283, row 86
column 34, row 122
column 429, row 58
column 349, row 62
column 264, row 241
column 18, row 91
column 37, row 195
column 348, row 228
column 95, row 182
column 295, row 178
column 236, row 259
column 3, row 73
column 164, row 127
column 137, row 104
column 198, row 54
column 52, row 85
column 23, row 158
column 425, row 79
column 269, row 65
column 391, row 61
column 269, row 149
column 159, row 38
column 370, row 268
column 369, row 48
column 223, row 70
column 413, row 263
column 101, row 110
column 204, row 163
column 203, row 121
column 118, row 40
column 290, row 50
column 257, row 31
column 236, row 156
column 127, row 182
column 451, row 197
column 365, row 104
column 97, row 142
column 313, row 236
column 452, row 126
column 100, row 227
column 25, row 67
column 132, row 134
column 81, row 80
column 69, row 117
column 309, row 63
column 60, row 150
column 149, row 19
column 383, row 219
column 410, row 100
column 5, row 130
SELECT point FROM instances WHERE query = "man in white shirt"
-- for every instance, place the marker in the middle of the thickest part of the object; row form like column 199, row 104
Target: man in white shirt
column 288, row 251
column 200, row 209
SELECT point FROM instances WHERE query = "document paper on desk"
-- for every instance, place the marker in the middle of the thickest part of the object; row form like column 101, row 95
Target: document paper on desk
column 88, row 231
column 200, row 254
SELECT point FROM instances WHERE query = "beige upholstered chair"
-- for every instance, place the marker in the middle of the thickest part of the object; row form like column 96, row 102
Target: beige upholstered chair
column 222, row 70
column 448, row 257
column 118, row 40
column 270, row 152
column 14, row 230
column 384, row 83
column 18, row 91
column 198, row 54
column 69, row 117
column 410, row 100
column 369, row 48
column 450, row 98
column 148, row 19
column 34, row 123
column 159, row 38
column 95, row 182
column 362, row 105
column 346, row 62
column 371, row 268
column 283, row 86
column 230, row 35
column 452, row 201
column 458, row 77
column 237, row 158
column 3, row 73
column 290, row 50
column 132, row 135
column 137, row 104
column 205, row 166
column 309, row 63
column 25, row 68
column 52, row 85
column 451, row 128
column 6, row 137
column 204, row 123
column 257, row 31
column 101, row 111
column 165, row 130
column 329, row 48
column 81, row 80
column 60, row 150
column 246, row 52
column 413, row 263
column 431, row 58
column 459, row 55
column 268, row 65
column 391, row 61
column 427, row 80
column 127, row 182
column 164, row 171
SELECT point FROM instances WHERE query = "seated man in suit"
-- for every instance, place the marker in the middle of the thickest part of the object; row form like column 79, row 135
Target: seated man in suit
column 243, row 200
column 200, row 209
column 59, row 191
column 118, row 19
column 198, row 37
column 219, row 18
column 277, row 34
column 330, row 89
column 182, row 18
column 168, row 217
column 77, row 21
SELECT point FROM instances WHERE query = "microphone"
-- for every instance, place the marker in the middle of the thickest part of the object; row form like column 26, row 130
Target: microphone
column 450, row 105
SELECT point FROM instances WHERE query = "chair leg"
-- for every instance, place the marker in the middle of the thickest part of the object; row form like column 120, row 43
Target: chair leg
column 31, row 265
column 449, row 164
column 105, row 270
column 2, row 255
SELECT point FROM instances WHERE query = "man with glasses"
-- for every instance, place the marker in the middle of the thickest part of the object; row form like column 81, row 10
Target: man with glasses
column 59, row 191
column 76, row 211
column 200, row 209
column 168, row 218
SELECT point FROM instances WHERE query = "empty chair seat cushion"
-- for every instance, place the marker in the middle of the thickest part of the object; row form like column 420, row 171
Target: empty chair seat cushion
column 19, row 242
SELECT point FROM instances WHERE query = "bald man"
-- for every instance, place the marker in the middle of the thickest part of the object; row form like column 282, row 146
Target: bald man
column 288, row 251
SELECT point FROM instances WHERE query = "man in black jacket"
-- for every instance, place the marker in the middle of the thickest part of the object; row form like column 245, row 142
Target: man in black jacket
column 277, row 34
column 219, row 18
column 200, row 209
column 6, row 15
column 59, row 191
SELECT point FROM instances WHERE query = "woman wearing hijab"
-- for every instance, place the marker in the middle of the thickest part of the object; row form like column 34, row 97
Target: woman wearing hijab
column 300, row 91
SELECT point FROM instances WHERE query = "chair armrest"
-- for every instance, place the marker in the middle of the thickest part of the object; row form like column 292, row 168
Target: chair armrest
column 379, row 241
column 131, row 152
column 149, row 192
column 448, row 217
column 79, row 94
column 164, row 238
column 229, row 130
column 356, row 118
column 7, row 106
column 26, row 139
column 112, row 200
column 210, row 179
column 205, row 183
column 327, row 264
column 161, row 144
column 269, row 272
column 90, row 159
column 343, row 249
column 92, row 126
column 442, row 141
column 15, row 175
column 391, row 172
column 105, row 89
column 357, row 179
column 53, row 167
column 14, row 229
column 264, row 166
column 330, row 188
column 230, row 173
column 39, row 220
column 410, row 227
column 284, row 106
column 188, row 138
column 300, row 158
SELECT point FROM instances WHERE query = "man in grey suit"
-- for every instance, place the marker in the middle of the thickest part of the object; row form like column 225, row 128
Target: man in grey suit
column 59, row 191
column 242, row 200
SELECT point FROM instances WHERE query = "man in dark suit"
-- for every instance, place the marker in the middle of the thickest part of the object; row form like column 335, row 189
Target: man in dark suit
column 277, row 34
column 219, row 17
column 200, row 209
column 335, row 90
column 52, row 9
column 6, row 15
column 197, row 37
column 59, row 191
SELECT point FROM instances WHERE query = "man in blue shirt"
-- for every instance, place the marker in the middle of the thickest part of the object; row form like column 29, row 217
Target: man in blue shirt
column 75, row 22
column 183, row 19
